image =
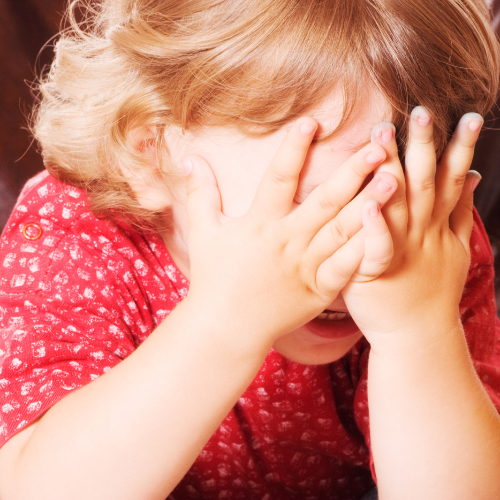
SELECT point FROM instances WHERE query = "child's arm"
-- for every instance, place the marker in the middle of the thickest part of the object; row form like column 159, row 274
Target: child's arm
column 435, row 433
column 134, row 432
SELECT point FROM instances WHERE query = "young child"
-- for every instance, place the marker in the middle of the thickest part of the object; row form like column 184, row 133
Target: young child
column 201, row 298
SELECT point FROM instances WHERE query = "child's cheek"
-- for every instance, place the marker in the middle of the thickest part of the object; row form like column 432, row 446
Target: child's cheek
column 238, row 184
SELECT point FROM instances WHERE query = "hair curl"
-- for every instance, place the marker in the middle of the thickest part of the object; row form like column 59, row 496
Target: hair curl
column 254, row 66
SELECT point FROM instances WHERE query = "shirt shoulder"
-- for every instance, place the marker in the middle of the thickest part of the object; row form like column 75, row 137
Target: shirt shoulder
column 478, row 306
column 54, row 245
column 44, row 215
column 51, row 202
column 78, row 294
column 480, row 247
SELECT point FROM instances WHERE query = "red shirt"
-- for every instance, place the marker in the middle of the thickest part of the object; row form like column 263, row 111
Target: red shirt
column 79, row 294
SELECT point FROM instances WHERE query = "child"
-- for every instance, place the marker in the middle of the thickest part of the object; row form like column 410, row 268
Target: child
column 221, row 146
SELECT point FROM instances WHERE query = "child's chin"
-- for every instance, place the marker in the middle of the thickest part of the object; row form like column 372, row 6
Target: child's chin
column 336, row 329
column 307, row 348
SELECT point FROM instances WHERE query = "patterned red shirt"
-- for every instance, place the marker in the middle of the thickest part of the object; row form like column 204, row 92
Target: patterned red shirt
column 79, row 294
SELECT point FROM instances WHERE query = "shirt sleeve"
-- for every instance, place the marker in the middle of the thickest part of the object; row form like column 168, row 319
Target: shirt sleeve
column 56, row 339
column 479, row 314
column 481, row 327
column 70, row 309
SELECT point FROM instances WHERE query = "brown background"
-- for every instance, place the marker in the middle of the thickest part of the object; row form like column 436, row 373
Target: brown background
column 26, row 25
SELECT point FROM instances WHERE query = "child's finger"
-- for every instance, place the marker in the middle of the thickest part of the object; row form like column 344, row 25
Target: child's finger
column 420, row 169
column 396, row 210
column 364, row 257
column 336, row 271
column 328, row 199
column 455, row 164
column 384, row 133
column 203, row 197
column 349, row 221
column 277, row 188
column 461, row 218
column 379, row 248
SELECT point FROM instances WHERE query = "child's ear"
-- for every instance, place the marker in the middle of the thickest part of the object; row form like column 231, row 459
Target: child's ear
column 142, row 141
column 147, row 182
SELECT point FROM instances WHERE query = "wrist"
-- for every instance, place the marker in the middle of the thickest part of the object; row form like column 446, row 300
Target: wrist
column 199, row 322
column 418, row 338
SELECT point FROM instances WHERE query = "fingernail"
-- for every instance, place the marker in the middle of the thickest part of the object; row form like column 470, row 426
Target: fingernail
column 383, row 187
column 373, row 158
column 387, row 134
column 477, row 179
column 423, row 120
column 373, row 210
column 383, row 132
column 188, row 165
column 475, row 125
column 421, row 116
column 307, row 128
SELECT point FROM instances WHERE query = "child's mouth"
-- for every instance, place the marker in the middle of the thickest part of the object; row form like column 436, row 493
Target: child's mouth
column 332, row 324
column 333, row 315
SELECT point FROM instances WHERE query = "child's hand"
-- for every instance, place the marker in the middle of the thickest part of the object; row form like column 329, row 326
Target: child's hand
column 280, row 265
column 430, row 219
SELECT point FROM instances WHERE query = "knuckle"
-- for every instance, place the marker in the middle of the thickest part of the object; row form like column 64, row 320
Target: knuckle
column 464, row 207
column 424, row 140
column 427, row 184
column 340, row 273
column 193, row 188
column 456, row 179
column 359, row 172
column 462, row 141
column 398, row 206
column 374, row 270
column 327, row 205
column 339, row 234
column 282, row 179
column 299, row 146
column 379, row 259
column 461, row 154
column 375, row 266
column 382, row 263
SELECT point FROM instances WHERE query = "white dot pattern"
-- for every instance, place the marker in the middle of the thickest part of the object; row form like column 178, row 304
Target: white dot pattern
column 82, row 297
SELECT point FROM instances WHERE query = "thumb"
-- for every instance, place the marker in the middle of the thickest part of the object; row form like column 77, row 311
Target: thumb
column 461, row 219
column 203, row 197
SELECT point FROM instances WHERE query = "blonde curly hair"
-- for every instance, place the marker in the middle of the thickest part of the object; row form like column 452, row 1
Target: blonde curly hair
column 251, row 65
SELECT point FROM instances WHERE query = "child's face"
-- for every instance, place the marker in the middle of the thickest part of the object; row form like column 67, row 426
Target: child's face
column 239, row 163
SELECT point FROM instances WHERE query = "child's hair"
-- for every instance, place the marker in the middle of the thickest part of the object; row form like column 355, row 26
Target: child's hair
column 251, row 65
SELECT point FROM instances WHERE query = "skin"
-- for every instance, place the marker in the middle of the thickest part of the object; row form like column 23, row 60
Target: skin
column 258, row 275
column 213, row 343
column 426, row 442
column 419, row 355
column 239, row 164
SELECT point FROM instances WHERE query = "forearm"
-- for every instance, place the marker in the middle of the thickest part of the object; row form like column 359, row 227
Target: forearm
column 134, row 432
column 435, row 433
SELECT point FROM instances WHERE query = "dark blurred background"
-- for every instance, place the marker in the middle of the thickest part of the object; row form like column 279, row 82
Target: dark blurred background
column 26, row 25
